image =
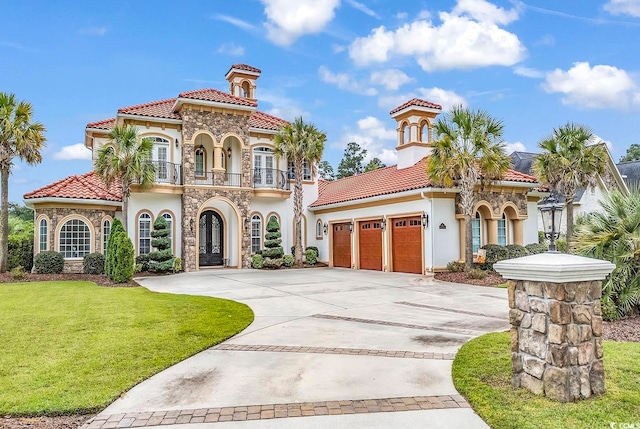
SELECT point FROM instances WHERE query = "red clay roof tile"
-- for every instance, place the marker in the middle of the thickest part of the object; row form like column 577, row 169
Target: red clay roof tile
column 265, row 121
column 246, row 67
column 211, row 94
column 155, row 109
column 87, row 186
column 416, row 102
column 105, row 124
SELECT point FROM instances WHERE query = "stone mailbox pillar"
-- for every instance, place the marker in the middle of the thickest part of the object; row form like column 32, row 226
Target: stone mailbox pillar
column 556, row 324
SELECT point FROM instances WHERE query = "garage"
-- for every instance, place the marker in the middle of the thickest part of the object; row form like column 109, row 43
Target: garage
column 406, row 239
column 370, row 245
column 341, row 245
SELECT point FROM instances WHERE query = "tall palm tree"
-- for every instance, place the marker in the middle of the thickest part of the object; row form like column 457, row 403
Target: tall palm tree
column 125, row 157
column 299, row 142
column 19, row 138
column 467, row 151
column 570, row 162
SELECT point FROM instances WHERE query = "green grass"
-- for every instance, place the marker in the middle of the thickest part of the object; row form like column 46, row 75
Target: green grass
column 74, row 347
column 482, row 374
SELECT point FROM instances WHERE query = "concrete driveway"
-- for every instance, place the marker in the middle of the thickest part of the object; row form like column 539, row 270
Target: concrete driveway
column 341, row 348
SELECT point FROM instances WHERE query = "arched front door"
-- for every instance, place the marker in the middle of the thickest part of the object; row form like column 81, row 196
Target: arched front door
column 211, row 239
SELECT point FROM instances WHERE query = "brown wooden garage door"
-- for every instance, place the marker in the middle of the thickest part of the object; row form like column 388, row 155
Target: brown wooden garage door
column 341, row 245
column 406, row 239
column 370, row 245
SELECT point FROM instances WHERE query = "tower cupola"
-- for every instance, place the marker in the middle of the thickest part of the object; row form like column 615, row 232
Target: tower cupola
column 242, row 80
column 415, row 120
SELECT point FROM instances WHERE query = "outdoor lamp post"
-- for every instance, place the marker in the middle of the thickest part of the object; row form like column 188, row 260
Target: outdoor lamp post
column 551, row 212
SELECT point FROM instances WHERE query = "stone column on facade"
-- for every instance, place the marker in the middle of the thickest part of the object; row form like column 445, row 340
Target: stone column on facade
column 518, row 231
column 556, row 324
column 492, row 231
column 217, row 159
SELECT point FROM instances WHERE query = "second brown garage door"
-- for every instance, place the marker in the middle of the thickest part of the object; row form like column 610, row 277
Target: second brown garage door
column 341, row 245
column 406, row 238
column 370, row 245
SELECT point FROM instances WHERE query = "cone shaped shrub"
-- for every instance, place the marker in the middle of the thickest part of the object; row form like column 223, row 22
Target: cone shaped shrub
column 109, row 258
column 161, row 260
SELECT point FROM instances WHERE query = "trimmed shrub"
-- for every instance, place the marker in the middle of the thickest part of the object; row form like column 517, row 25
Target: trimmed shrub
column 495, row 253
column 137, row 268
column 109, row 258
column 287, row 260
column 122, row 271
column 18, row 274
column 311, row 256
column 516, row 251
column 143, row 260
column 272, row 253
column 314, row 248
column 272, row 263
column 561, row 245
column 273, row 240
column 161, row 260
column 535, row 248
column 476, row 274
column 48, row 262
column 93, row 263
column 20, row 252
column 455, row 266
column 257, row 261
column 177, row 264
column 273, row 243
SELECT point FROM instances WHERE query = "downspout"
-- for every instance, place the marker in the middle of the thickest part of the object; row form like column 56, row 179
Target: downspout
column 431, row 234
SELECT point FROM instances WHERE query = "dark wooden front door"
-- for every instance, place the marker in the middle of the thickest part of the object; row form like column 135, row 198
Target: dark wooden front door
column 341, row 245
column 370, row 245
column 211, row 242
column 406, row 237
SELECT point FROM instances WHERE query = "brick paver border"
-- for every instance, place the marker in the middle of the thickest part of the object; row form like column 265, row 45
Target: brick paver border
column 275, row 411
column 335, row 350
column 451, row 310
column 466, row 332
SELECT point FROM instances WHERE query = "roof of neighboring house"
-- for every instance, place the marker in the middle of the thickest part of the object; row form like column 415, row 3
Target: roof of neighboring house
column 416, row 102
column 87, row 186
column 630, row 171
column 210, row 94
column 387, row 180
column 246, row 67
column 523, row 161
column 105, row 124
column 155, row 109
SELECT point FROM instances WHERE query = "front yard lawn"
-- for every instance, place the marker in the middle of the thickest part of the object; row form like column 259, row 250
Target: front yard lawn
column 73, row 347
column 482, row 374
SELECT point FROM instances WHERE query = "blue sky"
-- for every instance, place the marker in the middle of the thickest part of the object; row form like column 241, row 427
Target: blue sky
column 342, row 64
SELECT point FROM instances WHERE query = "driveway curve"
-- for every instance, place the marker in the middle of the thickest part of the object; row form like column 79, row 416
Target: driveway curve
column 341, row 348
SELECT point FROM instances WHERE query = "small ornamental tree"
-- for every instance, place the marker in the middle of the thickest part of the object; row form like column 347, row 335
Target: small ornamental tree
column 109, row 258
column 161, row 260
column 273, row 243
column 123, row 266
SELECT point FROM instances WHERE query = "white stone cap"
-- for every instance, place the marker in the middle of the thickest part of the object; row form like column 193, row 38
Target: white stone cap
column 554, row 268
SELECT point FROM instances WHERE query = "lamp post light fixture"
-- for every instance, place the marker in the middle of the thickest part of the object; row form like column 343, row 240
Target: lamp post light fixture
column 551, row 212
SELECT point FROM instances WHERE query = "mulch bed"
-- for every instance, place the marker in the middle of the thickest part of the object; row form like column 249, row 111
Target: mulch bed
column 492, row 279
column 59, row 422
column 96, row 278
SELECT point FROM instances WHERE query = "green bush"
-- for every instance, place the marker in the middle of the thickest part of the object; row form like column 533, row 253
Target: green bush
column 311, row 257
column 561, row 245
column 272, row 253
column 18, row 274
column 257, row 261
column 273, row 241
column 516, row 251
column 20, row 252
column 48, row 262
column 109, row 258
column 476, row 274
column 535, row 248
column 177, row 264
column 122, row 271
column 314, row 248
column 455, row 266
column 93, row 263
column 287, row 260
column 541, row 238
column 143, row 260
column 494, row 253
column 161, row 260
column 137, row 268
column 272, row 263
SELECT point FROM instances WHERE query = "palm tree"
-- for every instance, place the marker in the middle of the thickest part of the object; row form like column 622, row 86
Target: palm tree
column 299, row 142
column 125, row 157
column 468, row 150
column 569, row 162
column 613, row 234
column 21, row 138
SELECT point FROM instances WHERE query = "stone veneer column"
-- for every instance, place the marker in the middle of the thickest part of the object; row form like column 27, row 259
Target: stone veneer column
column 556, row 324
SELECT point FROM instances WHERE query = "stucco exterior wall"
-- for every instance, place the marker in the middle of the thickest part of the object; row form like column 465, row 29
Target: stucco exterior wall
column 156, row 204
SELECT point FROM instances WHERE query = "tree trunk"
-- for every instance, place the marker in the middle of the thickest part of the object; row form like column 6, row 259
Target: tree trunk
column 569, row 223
column 297, row 211
column 125, row 207
column 4, row 221
column 467, row 202
column 468, row 242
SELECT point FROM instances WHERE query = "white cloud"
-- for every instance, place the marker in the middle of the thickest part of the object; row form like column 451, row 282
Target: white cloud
column 94, row 31
column 514, row 147
column 597, row 87
column 391, row 79
column 371, row 134
column 231, row 49
column 424, row 14
column 338, row 48
column 74, row 151
column 287, row 20
column 596, row 139
column 402, row 16
column 443, row 97
column 627, row 7
column 363, row 8
column 345, row 82
column 234, row 21
column 282, row 106
column 528, row 72
column 468, row 37
column 546, row 40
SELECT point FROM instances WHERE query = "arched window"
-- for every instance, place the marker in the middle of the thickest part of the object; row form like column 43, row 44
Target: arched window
column 200, row 165
column 263, row 167
column 160, row 157
column 43, row 236
column 502, row 230
column 406, row 135
column 106, row 230
column 319, row 229
column 424, row 132
column 256, row 234
column 246, row 89
column 144, row 234
column 476, row 232
column 75, row 239
column 169, row 219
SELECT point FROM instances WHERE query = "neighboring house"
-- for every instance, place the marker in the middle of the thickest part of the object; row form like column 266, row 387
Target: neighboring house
column 630, row 172
column 218, row 183
column 587, row 199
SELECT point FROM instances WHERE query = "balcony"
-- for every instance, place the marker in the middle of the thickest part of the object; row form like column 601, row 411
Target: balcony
column 269, row 178
column 167, row 172
column 210, row 178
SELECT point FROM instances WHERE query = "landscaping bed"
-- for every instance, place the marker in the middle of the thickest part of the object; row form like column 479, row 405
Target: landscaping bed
column 492, row 278
column 98, row 279
column 58, row 422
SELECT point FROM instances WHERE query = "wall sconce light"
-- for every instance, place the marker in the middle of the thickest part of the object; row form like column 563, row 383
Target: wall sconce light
column 351, row 226
column 176, row 143
column 425, row 219
column 325, row 228
column 229, row 151
column 201, row 147
column 384, row 223
column 191, row 222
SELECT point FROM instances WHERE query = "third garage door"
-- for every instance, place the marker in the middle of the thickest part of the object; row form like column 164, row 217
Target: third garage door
column 407, row 244
column 341, row 245
column 370, row 245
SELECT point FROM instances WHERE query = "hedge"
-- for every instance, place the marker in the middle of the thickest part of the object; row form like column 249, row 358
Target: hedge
column 20, row 252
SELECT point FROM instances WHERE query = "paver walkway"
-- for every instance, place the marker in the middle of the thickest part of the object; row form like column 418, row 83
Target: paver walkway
column 328, row 348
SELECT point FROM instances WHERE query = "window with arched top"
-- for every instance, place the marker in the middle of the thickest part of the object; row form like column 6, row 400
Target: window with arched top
column 264, row 163
column 246, row 89
column 160, row 155
column 144, row 233
column 424, row 132
column 75, row 239
column 169, row 219
column 200, row 165
column 476, row 232
column 406, row 135
column 106, row 230
column 256, row 234
column 43, row 235
column 319, row 229
column 502, row 230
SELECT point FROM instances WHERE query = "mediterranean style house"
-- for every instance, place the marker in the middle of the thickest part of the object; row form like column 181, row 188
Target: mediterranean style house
column 218, row 183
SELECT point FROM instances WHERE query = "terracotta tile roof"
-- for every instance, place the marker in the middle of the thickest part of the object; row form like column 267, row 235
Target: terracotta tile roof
column 246, row 67
column 155, row 109
column 388, row 180
column 265, row 121
column 105, row 124
column 416, row 102
column 87, row 186
column 211, row 94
